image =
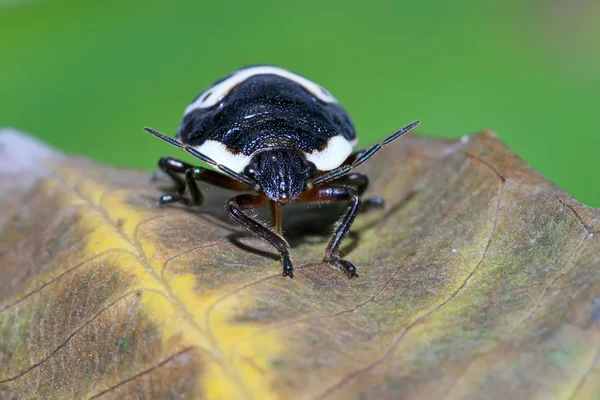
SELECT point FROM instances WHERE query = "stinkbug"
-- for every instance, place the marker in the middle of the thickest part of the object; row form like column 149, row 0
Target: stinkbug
column 277, row 134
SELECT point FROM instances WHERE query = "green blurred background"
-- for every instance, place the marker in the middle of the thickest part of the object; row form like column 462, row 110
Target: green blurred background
column 87, row 75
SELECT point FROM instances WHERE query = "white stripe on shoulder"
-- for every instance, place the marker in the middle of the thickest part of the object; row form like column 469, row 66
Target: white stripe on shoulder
column 337, row 150
column 219, row 153
column 214, row 94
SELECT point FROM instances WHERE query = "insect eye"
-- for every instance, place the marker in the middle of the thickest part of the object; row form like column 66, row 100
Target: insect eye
column 312, row 169
column 249, row 170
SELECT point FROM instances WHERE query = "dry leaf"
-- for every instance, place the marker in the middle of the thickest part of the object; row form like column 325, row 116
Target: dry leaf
column 478, row 280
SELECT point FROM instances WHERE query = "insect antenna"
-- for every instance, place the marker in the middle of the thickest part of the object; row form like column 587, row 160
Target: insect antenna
column 201, row 156
column 167, row 139
column 362, row 157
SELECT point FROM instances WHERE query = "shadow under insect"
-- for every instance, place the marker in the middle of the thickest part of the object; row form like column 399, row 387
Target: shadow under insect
column 303, row 224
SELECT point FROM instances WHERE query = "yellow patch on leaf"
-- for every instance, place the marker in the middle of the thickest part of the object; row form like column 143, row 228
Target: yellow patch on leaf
column 479, row 278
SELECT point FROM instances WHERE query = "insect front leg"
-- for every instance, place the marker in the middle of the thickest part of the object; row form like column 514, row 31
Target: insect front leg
column 173, row 167
column 168, row 173
column 235, row 208
column 331, row 194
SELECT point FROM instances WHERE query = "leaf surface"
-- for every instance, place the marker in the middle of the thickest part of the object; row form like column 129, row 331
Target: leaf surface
column 478, row 280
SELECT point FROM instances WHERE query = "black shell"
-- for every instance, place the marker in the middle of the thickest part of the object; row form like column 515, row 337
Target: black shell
column 264, row 112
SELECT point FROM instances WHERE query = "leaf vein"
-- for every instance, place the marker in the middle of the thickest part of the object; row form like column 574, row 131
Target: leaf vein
column 529, row 316
column 405, row 330
column 145, row 372
column 278, row 325
column 68, row 339
column 593, row 366
column 56, row 278
column 215, row 350
column 585, row 225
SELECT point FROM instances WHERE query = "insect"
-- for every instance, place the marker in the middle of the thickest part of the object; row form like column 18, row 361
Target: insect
column 281, row 137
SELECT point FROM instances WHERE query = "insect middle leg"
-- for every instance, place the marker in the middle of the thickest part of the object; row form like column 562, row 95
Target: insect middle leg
column 330, row 194
column 235, row 208
column 172, row 167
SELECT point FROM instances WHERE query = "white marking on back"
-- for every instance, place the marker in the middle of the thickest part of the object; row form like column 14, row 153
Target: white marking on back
column 337, row 150
column 219, row 153
column 214, row 94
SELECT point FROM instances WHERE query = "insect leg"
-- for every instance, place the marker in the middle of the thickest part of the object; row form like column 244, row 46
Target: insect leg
column 330, row 194
column 166, row 169
column 172, row 167
column 360, row 182
column 235, row 208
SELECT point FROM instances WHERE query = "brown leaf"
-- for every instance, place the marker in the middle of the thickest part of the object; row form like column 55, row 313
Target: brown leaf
column 478, row 280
